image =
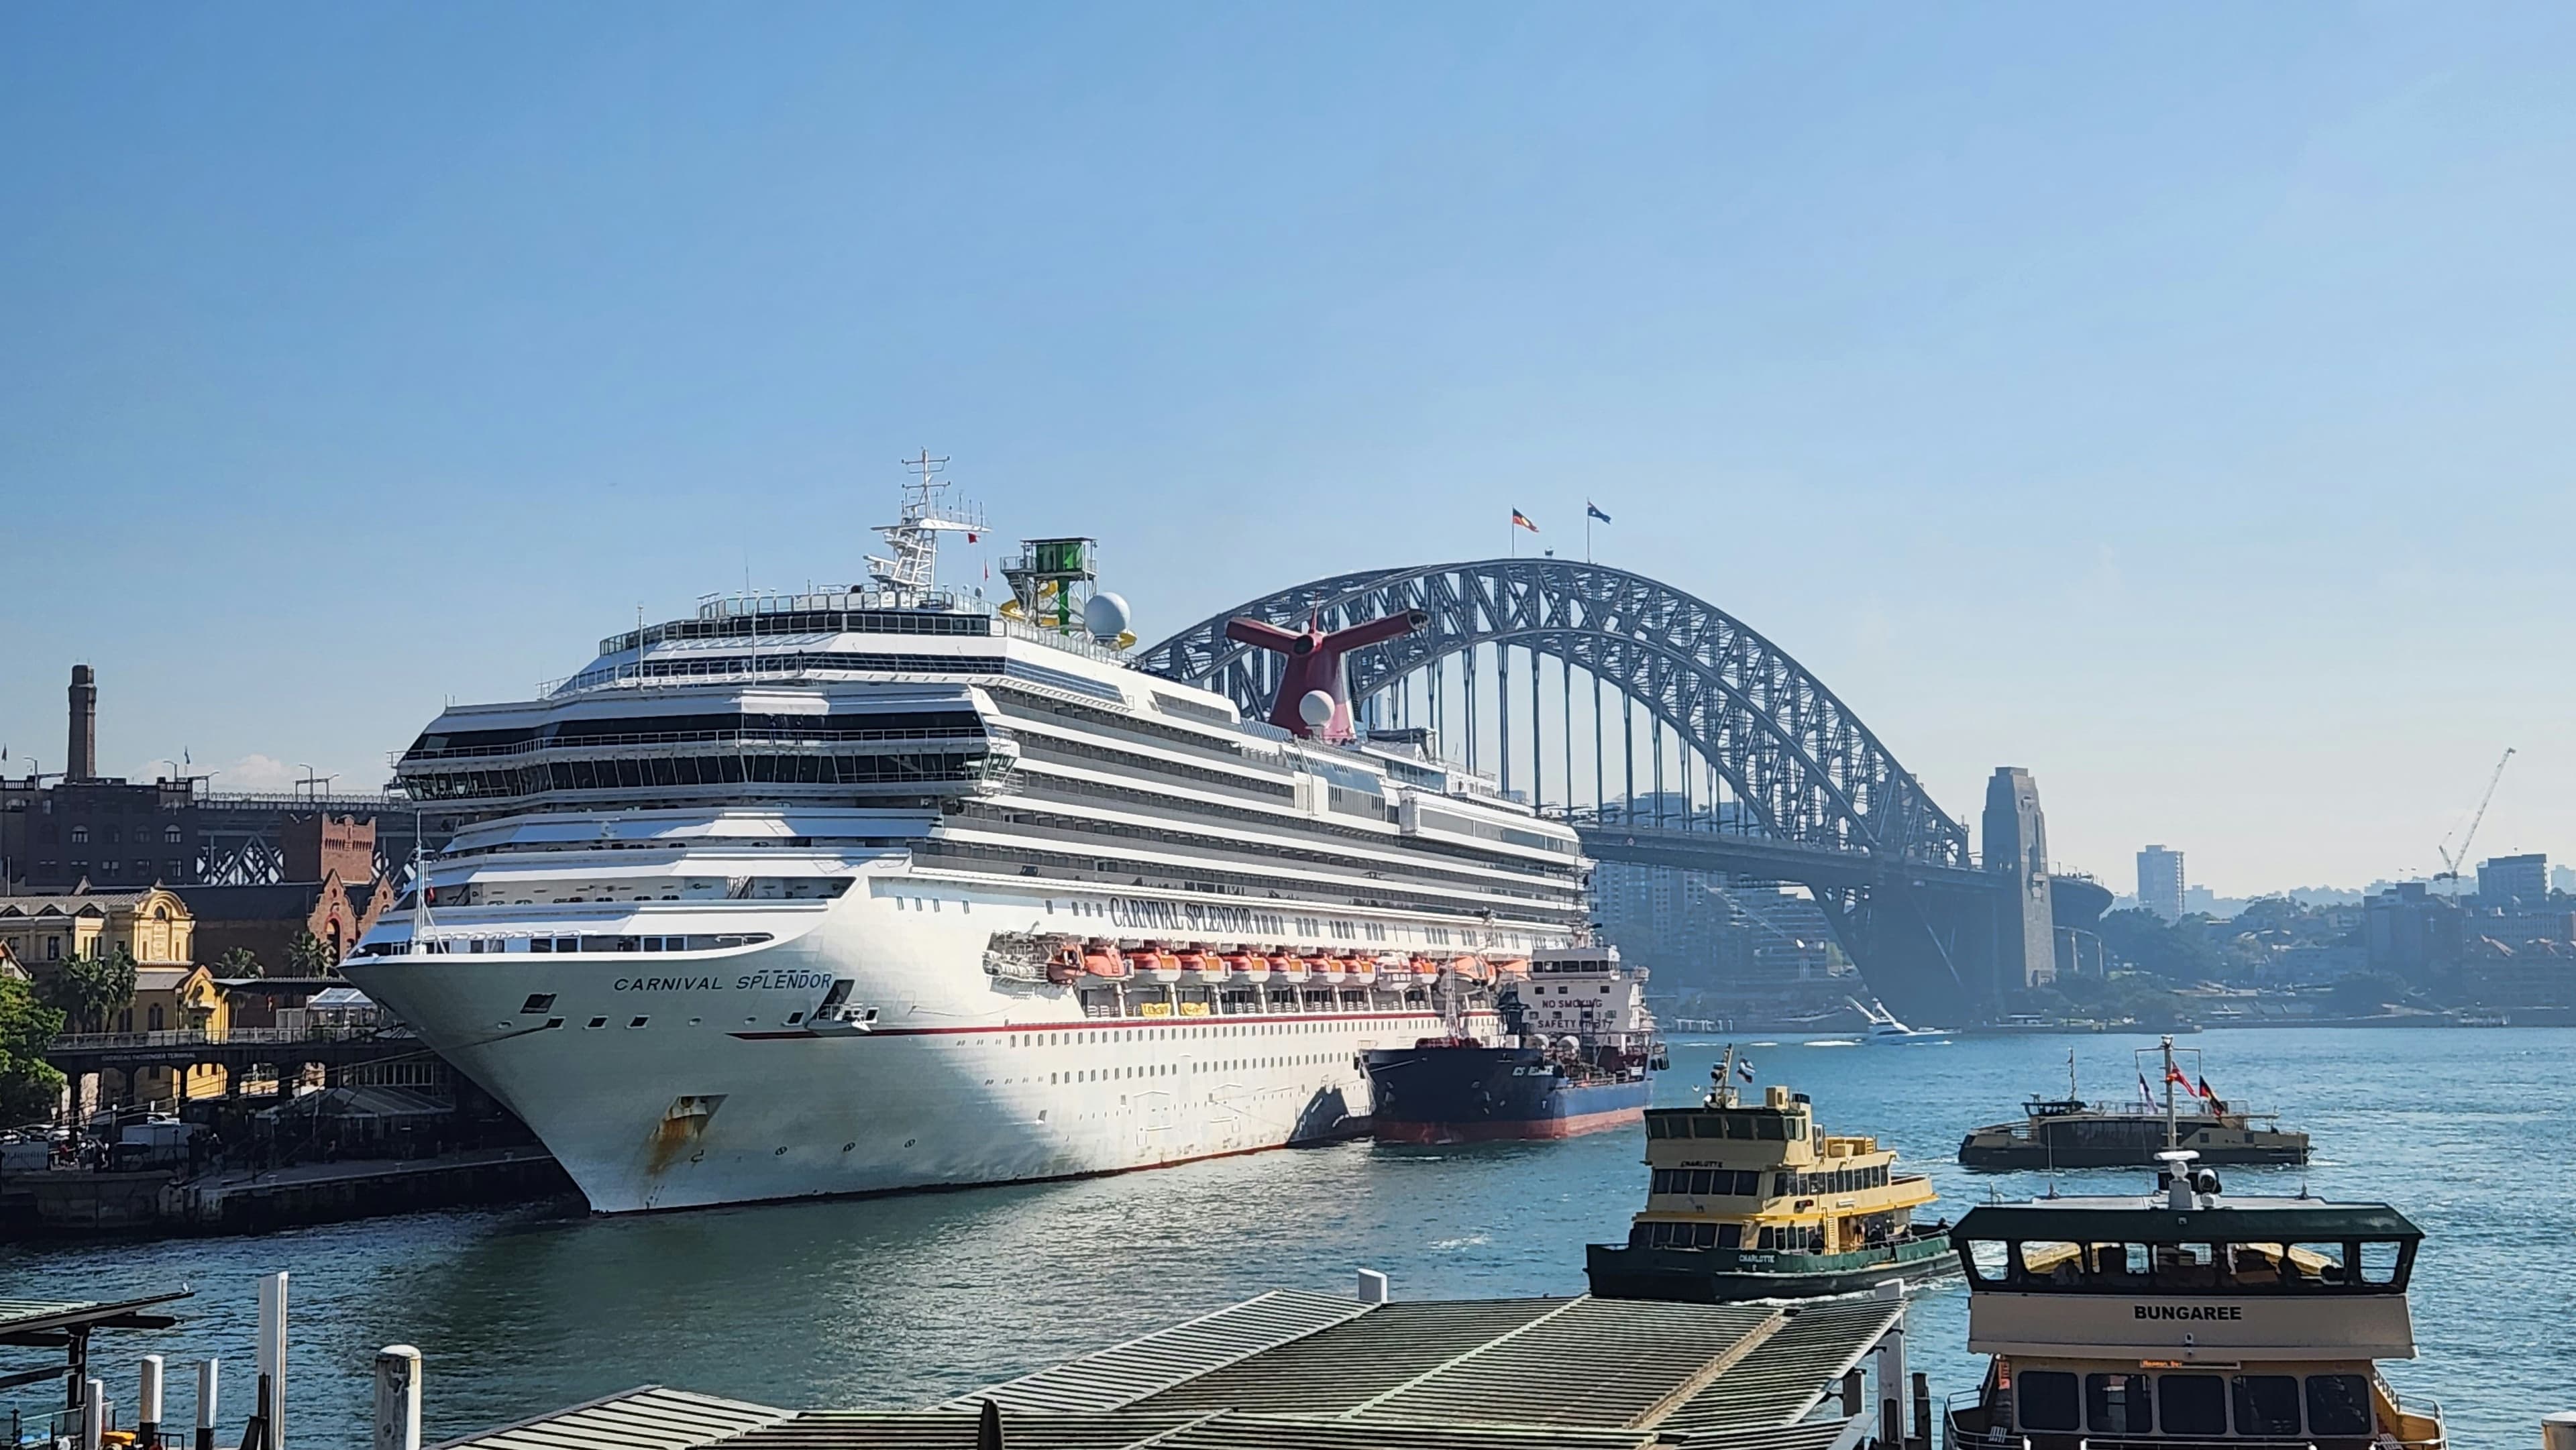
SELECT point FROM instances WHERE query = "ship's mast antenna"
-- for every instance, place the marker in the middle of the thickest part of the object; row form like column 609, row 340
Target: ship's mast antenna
column 2172, row 1139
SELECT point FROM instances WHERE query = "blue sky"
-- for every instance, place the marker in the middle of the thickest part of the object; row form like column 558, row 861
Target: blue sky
column 2171, row 401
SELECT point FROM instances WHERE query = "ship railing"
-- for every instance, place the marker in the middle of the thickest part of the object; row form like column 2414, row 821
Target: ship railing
column 225, row 1036
column 693, row 737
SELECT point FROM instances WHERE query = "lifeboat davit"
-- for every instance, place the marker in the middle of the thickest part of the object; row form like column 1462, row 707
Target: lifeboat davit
column 1154, row 966
column 1066, row 966
column 1290, row 969
column 1469, row 968
column 1248, row 968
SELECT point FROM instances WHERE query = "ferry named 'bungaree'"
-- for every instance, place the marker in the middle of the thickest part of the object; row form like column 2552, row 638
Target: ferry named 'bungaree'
column 2188, row 1318
column 882, row 888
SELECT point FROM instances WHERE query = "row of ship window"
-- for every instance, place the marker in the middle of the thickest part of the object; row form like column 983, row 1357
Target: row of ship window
column 1744, row 1127
column 1783, row 1238
column 2193, row 1404
column 1741, row 1183
column 1157, row 874
column 1273, row 925
column 1167, row 1069
column 483, row 945
column 1161, row 1034
column 690, row 770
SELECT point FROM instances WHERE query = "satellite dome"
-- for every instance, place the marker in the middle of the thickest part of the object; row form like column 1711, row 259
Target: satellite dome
column 1105, row 616
column 1316, row 709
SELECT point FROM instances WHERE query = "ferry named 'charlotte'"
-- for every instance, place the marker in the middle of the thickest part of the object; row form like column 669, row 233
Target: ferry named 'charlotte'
column 879, row 888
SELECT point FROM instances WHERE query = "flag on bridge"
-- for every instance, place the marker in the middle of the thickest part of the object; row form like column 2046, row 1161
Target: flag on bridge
column 1592, row 510
column 1522, row 520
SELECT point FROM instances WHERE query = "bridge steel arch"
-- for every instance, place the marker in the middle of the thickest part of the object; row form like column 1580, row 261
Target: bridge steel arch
column 1795, row 755
column 1833, row 808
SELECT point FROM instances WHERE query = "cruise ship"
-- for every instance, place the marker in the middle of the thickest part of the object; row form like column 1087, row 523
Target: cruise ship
column 861, row 890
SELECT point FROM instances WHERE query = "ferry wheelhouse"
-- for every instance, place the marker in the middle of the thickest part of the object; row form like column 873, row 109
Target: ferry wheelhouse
column 2188, row 1318
column 855, row 890
column 1751, row 1201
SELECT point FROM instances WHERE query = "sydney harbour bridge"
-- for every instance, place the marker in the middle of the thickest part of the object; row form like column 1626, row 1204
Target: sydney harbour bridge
column 1671, row 734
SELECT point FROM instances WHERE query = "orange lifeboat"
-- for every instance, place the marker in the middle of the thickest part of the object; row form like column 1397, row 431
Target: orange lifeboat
column 1154, row 966
column 1290, row 969
column 1198, row 965
column 1468, row 968
column 1512, row 967
column 1100, row 961
column 1247, row 967
column 1064, row 966
column 1332, row 971
column 1425, row 971
column 1363, row 971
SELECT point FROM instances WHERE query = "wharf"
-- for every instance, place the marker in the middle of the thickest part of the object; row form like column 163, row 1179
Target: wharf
column 253, row 1201
column 1289, row 1370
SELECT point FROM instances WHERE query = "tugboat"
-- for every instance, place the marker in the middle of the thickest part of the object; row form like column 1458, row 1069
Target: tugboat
column 1578, row 1054
column 2188, row 1317
column 1752, row 1202
column 2068, row 1132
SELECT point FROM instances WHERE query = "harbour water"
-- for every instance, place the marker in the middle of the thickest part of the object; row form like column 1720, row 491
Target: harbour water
column 893, row 1302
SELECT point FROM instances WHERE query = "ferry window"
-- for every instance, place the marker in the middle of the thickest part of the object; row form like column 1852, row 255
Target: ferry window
column 2186, row 1266
column 1986, row 1260
column 2384, row 1263
column 2266, row 1404
column 1730, row 1236
column 2117, row 1266
column 2338, row 1404
column 2192, row 1404
column 1660, row 1181
column 1748, row 1184
column 2046, row 1261
column 2117, row 1404
column 2047, row 1400
column 2317, row 1266
column 541, row 944
column 1772, row 1129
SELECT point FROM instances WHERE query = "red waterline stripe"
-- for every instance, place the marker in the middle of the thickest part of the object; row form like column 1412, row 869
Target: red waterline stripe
column 1509, row 1129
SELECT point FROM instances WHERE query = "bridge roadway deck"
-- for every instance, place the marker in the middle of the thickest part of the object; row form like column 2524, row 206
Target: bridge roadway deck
column 1762, row 856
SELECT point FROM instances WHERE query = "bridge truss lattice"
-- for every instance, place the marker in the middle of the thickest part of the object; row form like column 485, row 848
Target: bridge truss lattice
column 1783, row 756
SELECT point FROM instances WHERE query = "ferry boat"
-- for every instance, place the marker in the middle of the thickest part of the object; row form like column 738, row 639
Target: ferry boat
column 1751, row 1201
column 2188, row 1317
column 2069, row 1132
column 1578, row 1055
column 881, row 888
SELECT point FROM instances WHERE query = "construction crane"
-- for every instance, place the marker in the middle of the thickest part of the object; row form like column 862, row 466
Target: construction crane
column 2451, row 864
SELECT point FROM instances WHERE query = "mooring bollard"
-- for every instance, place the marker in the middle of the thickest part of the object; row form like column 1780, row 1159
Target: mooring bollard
column 209, row 1379
column 397, row 1398
column 1373, row 1287
column 147, row 1406
column 271, row 1409
column 93, row 1421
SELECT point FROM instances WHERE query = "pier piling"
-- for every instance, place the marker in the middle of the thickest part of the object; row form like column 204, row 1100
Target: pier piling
column 397, row 1398
column 147, row 1406
column 209, row 1377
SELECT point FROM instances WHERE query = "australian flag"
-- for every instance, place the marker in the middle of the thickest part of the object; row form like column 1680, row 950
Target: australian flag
column 1593, row 510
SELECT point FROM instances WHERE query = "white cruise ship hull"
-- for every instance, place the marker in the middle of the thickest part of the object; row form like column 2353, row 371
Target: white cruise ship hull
column 671, row 1080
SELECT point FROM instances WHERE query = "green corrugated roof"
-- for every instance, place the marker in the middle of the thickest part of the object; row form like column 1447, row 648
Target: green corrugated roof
column 1340, row 1368
column 1125, row 1373
column 1787, row 1374
column 649, row 1418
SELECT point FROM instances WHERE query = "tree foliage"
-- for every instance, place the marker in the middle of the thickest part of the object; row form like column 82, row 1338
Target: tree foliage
column 90, row 990
column 30, row 1087
column 309, row 956
column 239, row 962
column 2178, row 951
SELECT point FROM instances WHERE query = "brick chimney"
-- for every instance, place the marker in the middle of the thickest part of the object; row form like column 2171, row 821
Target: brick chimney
column 82, row 762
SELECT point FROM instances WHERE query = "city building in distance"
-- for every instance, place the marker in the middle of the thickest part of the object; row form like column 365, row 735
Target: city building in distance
column 2160, row 882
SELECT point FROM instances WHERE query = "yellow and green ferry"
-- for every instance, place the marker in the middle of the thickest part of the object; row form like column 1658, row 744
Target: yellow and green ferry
column 1752, row 1201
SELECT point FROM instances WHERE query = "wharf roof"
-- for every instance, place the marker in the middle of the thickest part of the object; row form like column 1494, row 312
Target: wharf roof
column 37, row 1321
column 1296, row 1371
column 2144, row 1220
